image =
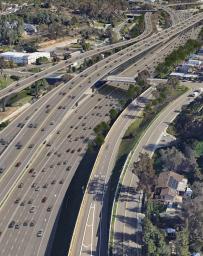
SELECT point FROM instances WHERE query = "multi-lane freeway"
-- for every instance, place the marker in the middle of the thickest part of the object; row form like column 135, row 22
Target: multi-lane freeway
column 49, row 174
column 91, row 231
column 42, row 148
column 24, row 83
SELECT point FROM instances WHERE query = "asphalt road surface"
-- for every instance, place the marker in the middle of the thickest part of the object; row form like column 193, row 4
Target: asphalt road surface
column 44, row 137
column 128, row 218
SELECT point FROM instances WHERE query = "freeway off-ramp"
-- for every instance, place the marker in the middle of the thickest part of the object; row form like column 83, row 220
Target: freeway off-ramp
column 127, row 225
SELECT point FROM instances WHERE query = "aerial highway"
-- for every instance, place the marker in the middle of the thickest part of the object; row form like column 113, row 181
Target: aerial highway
column 52, row 171
column 24, row 83
column 175, row 18
column 40, row 133
column 91, row 231
column 42, row 171
column 74, row 81
column 156, row 56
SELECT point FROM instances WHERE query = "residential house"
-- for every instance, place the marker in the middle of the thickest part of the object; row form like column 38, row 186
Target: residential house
column 170, row 187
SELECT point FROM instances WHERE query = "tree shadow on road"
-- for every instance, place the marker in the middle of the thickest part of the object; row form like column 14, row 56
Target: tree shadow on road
column 123, row 244
column 129, row 221
column 96, row 188
column 88, row 252
column 127, row 194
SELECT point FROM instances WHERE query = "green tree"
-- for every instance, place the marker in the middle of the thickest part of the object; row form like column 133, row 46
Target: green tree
column 99, row 140
column 113, row 114
column 182, row 243
column 132, row 91
column 41, row 60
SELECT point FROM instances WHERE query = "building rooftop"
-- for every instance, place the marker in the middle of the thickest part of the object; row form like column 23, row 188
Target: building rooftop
column 169, row 179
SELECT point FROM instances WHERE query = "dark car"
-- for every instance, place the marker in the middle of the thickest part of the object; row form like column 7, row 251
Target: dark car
column 53, row 182
column 49, row 208
column 18, row 164
column 25, row 223
column 32, row 223
column 68, row 168
column 44, row 199
column 17, row 200
column 12, row 223
column 20, row 185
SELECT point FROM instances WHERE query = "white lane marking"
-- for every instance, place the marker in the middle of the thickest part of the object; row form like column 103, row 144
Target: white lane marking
column 92, row 233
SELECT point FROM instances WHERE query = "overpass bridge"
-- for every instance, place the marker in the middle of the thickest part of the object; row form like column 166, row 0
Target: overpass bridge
column 132, row 79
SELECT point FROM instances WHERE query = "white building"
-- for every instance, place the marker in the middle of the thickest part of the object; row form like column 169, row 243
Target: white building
column 24, row 58
column 195, row 62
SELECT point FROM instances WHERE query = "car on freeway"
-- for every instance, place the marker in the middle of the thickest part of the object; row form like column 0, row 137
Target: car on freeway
column 32, row 223
column 22, row 203
column 17, row 164
column 25, row 223
column 31, row 170
column 68, row 168
column 17, row 200
column 20, row 125
column 20, row 185
column 30, row 201
column 34, row 174
column 53, row 182
column 44, row 199
column 32, row 209
column 40, row 233
column 61, row 181
column 31, row 146
column 12, row 224
column 45, row 185
column 34, row 185
column 49, row 208
column 17, row 226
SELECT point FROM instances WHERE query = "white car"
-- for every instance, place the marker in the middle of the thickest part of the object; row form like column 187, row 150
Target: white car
column 32, row 209
column 40, row 233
